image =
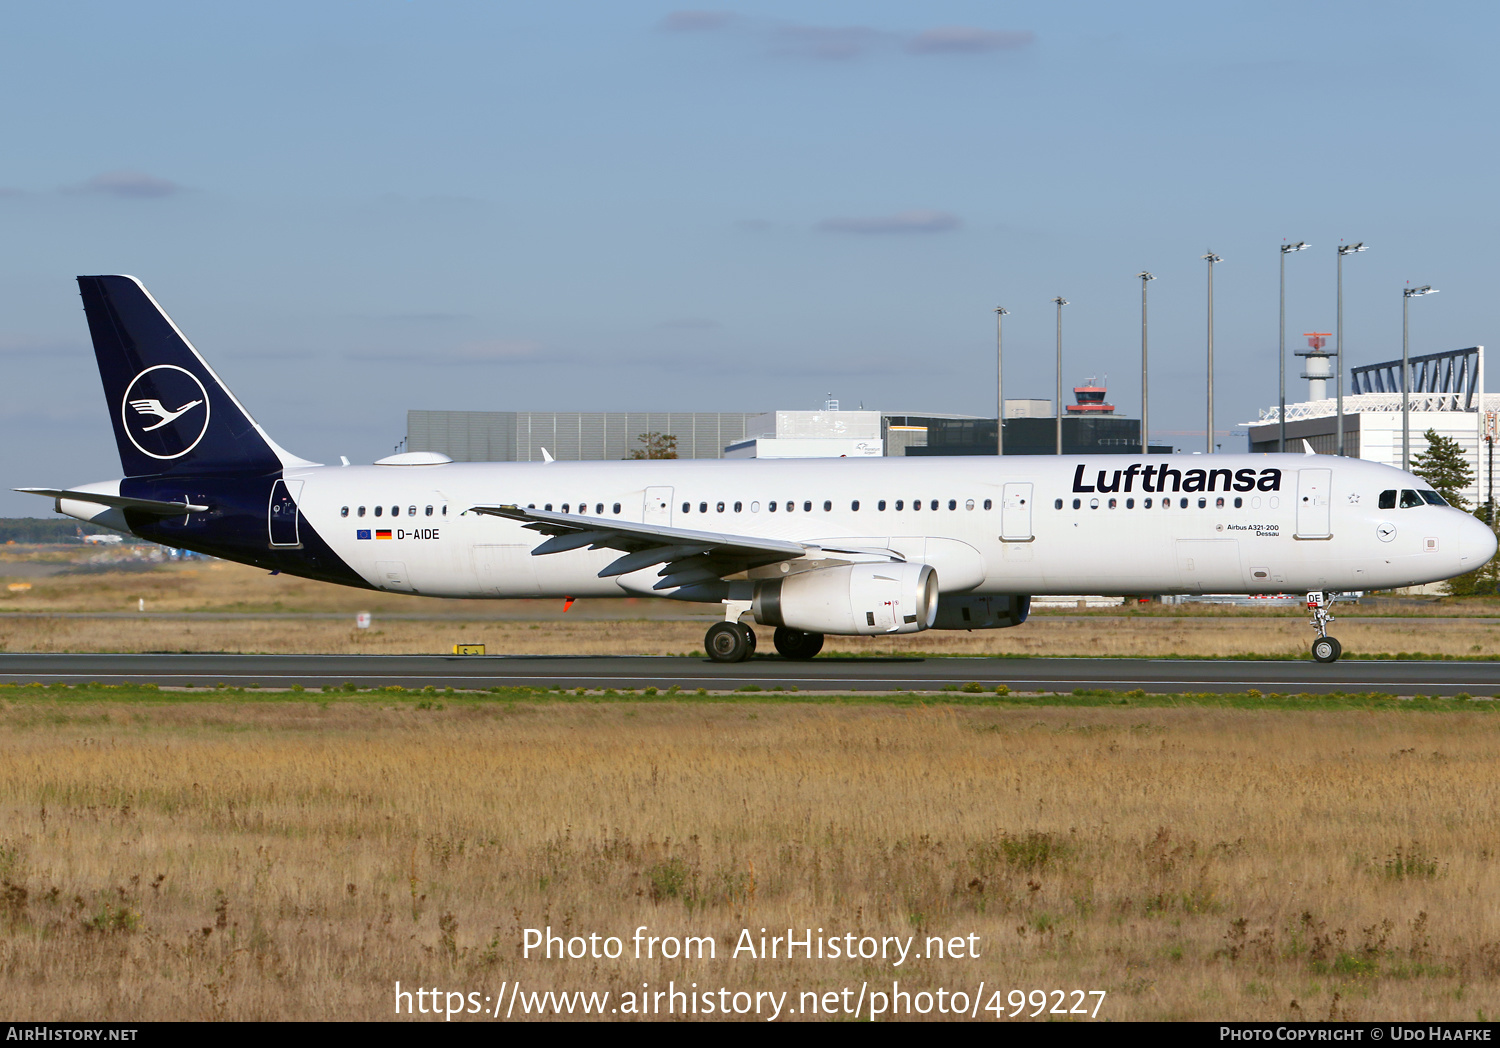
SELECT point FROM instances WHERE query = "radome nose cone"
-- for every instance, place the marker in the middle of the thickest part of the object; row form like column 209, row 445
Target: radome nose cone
column 1476, row 543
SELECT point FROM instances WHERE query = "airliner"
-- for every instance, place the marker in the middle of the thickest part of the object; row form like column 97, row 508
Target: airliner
column 809, row 547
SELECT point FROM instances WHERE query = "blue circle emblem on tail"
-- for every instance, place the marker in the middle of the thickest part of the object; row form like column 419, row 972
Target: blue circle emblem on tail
column 165, row 411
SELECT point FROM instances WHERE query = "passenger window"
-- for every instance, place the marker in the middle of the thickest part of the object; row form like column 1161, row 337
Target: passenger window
column 429, row 510
column 1130, row 503
column 969, row 504
column 1077, row 504
column 1202, row 503
column 381, row 509
column 880, row 505
column 565, row 507
column 1238, row 502
column 1113, row 504
column 1184, row 503
column 854, row 506
column 687, row 507
column 988, row 504
column 771, row 506
column 916, row 504
column 807, row 507
column 1219, row 502
column 720, row 508
column 953, row 504
column 445, row 510
column 360, row 512
column 1410, row 498
column 703, row 507
column 1388, row 499
column 395, row 511
column 755, row 507
column 899, row 504
column 411, row 511
column 547, row 507
column 617, row 507
column 1093, row 503
column 738, row 506
column 790, row 505
column 827, row 506
column 935, row 504
column 1057, row 504
column 344, row 511
column 599, row 509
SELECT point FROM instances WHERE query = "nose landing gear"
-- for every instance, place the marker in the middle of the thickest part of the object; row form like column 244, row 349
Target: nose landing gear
column 1325, row 648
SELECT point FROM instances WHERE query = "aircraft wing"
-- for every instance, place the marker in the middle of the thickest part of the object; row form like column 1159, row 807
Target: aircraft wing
column 687, row 556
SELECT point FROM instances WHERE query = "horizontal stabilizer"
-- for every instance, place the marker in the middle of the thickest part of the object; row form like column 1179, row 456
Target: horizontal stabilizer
column 152, row 506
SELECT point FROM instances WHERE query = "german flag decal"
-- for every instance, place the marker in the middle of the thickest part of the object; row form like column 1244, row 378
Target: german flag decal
column 382, row 534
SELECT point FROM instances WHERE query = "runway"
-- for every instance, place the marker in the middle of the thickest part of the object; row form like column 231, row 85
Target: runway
column 764, row 672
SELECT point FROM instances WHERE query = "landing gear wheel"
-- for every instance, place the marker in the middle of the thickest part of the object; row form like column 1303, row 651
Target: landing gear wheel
column 794, row 644
column 727, row 642
column 749, row 638
column 1326, row 649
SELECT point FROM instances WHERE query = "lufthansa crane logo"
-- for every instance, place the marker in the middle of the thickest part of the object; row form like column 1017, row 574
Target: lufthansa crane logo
column 165, row 411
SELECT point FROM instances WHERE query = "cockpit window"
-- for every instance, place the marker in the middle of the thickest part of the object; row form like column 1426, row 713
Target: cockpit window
column 1410, row 498
column 1433, row 498
column 1388, row 499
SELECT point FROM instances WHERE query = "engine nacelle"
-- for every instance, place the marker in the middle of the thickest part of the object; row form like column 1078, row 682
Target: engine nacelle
column 981, row 613
column 851, row 599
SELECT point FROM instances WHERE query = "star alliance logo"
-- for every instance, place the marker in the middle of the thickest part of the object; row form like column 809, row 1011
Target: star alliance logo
column 157, row 430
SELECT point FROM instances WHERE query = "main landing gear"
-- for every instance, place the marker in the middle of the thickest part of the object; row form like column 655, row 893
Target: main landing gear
column 732, row 641
column 794, row 644
column 1325, row 648
column 729, row 642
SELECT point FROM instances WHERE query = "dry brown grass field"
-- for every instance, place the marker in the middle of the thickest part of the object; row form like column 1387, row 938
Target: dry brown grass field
column 294, row 859
column 185, row 604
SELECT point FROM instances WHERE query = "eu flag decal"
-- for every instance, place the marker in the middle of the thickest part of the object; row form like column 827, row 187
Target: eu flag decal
column 362, row 533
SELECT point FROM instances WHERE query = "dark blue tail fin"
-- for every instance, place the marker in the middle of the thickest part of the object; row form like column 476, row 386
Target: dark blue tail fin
column 170, row 411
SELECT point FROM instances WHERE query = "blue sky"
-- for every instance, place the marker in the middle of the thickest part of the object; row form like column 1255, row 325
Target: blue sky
column 358, row 208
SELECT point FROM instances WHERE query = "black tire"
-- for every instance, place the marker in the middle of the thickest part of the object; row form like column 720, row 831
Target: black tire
column 749, row 639
column 725, row 642
column 794, row 644
column 1326, row 649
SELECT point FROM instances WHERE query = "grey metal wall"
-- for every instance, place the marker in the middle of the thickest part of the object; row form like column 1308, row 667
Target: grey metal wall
column 519, row 436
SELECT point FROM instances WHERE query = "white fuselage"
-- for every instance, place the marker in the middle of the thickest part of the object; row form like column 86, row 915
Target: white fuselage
column 1018, row 525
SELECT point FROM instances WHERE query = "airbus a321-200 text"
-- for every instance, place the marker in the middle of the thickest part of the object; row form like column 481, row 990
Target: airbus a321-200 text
column 808, row 547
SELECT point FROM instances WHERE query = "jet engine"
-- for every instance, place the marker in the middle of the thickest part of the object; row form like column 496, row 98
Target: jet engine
column 851, row 599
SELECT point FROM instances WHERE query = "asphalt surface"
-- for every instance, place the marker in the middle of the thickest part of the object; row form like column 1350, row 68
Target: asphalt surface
column 766, row 672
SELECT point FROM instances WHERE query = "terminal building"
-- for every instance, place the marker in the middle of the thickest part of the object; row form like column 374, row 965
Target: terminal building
column 1090, row 427
column 1446, row 396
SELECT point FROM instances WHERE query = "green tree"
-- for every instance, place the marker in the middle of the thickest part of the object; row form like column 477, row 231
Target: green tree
column 1443, row 466
column 655, row 446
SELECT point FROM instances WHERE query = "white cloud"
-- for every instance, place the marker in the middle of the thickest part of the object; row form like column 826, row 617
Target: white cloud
column 967, row 40
column 695, row 21
column 917, row 221
column 131, row 184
